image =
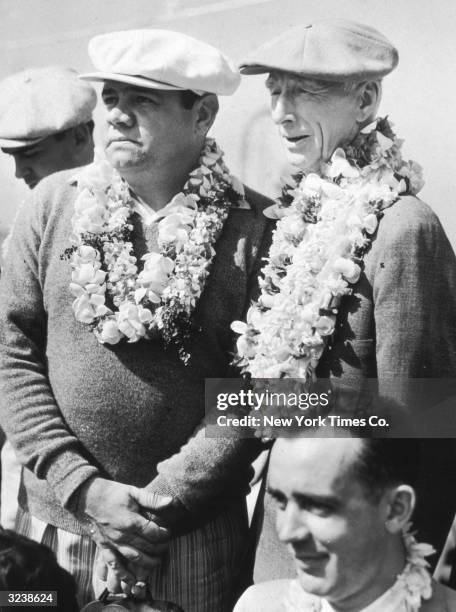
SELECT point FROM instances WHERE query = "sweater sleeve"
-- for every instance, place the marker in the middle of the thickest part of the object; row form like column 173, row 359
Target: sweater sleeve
column 414, row 291
column 207, row 472
column 28, row 411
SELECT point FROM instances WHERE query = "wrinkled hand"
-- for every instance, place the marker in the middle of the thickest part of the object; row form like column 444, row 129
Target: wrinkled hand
column 117, row 525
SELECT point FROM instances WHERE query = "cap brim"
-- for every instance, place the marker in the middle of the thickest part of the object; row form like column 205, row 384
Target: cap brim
column 307, row 74
column 138, row 81
column 255, row 69
column 15, row 143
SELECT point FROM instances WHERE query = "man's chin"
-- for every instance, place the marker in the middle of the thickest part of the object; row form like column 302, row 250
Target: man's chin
column 124, row 159
column 315, row 585
column 32, row 184
column 302, row 162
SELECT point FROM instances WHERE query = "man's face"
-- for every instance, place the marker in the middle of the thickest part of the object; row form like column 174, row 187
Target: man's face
column 146, row 128
column 314, row 118
column 47, row 156
column 336, row 534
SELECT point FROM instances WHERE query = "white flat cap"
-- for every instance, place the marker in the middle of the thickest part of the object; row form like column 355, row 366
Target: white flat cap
column 329, row 50
column 161, row 59
column 39, row 102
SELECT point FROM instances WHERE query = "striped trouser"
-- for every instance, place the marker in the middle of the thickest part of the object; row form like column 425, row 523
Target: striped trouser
column 75, row 553
column 200, row 573
column 11, row 476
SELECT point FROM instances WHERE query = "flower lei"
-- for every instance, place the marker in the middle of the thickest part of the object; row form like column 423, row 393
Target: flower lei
column 412, row 586
column 325, row 226
column 112, row 296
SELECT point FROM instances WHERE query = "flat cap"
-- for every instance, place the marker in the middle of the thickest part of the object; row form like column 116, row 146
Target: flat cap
column 161, row 59
column 39, row 102
column 329, row 50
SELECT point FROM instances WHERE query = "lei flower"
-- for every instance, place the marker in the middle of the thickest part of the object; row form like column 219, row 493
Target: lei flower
column 415, row 582
column 412, row 586
column 325, row 226
column 117, row 298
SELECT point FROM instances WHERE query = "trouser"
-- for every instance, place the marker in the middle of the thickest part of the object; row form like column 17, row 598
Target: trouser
column 200, row 572
column 11, row 475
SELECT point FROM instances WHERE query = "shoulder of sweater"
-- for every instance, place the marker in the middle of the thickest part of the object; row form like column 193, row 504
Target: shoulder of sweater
column 257, row 201
column 408, row 214
column 46, row 201
column 406, row 223
column 65, row 179
column 54, row 191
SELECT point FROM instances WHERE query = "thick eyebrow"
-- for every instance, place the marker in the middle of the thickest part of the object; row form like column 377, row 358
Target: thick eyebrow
column 307, row 500
column 274, row 492
column 141, row 91
column 317, row 500
column 312, row 86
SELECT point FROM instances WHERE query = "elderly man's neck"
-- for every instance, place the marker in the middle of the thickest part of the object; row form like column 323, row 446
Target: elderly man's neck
column 157, row 186
column 384, row 575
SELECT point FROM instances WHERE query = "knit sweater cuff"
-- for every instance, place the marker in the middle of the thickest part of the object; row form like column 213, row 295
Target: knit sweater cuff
column 190, row 503
column 179, row 518
column 66, row 473
column 161, row 486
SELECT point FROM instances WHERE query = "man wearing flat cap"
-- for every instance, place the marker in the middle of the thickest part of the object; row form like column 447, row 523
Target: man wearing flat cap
column 360, row 281
column 118, row 306
column 46, row 121
column 45, row 126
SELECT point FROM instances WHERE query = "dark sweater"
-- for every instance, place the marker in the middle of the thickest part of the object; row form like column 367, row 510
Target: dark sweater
column 133, row 413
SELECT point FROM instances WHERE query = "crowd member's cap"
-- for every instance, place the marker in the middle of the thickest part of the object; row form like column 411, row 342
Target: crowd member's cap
column 329, row 50
column 39, row 102
column 161, row 59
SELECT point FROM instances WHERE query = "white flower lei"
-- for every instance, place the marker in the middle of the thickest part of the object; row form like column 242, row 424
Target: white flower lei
column 112, row 296
column 324, row 228
column 411, row 586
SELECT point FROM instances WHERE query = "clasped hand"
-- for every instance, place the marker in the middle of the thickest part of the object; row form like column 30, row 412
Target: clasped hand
column 130, row 544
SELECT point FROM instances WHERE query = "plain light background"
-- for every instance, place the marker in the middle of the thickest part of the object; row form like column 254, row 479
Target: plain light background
column 419, row 96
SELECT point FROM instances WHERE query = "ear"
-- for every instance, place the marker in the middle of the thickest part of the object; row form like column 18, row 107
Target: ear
column 368, row 99
column 399, row 508
column 206, row 109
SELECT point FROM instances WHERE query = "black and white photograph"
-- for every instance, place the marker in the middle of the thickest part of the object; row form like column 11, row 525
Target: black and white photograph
column 228, row 305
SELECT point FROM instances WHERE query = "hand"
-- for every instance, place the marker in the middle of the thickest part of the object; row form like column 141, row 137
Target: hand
column 117, row 523
column 137, row 591
column 121, row 575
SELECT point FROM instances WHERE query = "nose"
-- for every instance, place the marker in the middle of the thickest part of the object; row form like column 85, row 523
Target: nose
column 118, row 115
column 291, row 525
column 283, row 108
